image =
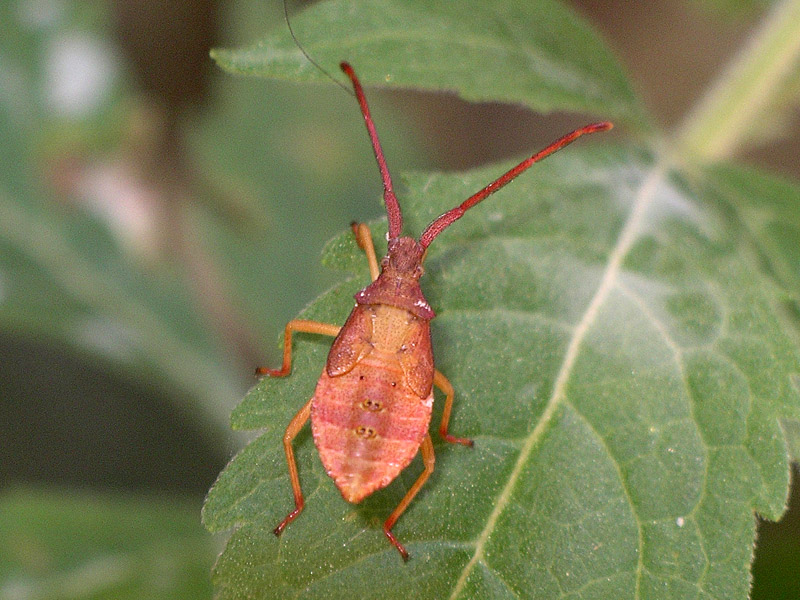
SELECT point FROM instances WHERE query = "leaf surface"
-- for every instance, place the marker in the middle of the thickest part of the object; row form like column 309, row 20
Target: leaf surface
column 616, row 330
column 539, row 54
column 77, row 545
column 623, row 365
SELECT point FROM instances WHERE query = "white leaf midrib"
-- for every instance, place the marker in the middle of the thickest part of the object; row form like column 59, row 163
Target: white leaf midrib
column 627, row 237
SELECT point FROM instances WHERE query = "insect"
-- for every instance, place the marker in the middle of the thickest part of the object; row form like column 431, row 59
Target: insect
column 372, row 405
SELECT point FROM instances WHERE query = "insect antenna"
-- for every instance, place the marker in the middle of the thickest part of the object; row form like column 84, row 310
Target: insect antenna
column 297, row 43
column 389, row 199
column 445, row 220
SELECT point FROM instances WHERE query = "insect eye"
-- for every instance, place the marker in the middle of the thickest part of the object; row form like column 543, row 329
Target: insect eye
column 365, row 432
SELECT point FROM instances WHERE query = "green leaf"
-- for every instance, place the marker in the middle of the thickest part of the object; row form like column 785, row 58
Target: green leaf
column 70, row 268
column 539, row 54
column 792, row 429
column 732, row 10
column 766, row 206
column 78, row 545
column 620, row 359
column 618, row 331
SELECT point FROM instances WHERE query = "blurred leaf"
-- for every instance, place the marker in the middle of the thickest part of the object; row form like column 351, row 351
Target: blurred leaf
column 69, row 267
column 775, row 118
column 539, row 54
column 755, row 96
column 60, row 71
column 78, row 545
column 620, row 361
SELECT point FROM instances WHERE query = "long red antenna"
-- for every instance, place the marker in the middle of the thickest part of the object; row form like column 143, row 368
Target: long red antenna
column 445, row 220
column 392, row 206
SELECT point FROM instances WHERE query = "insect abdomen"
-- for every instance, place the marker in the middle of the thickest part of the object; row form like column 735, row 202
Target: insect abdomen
column 368, row 425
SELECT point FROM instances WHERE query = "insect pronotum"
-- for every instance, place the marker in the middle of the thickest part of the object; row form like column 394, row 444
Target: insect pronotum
column 372, row 405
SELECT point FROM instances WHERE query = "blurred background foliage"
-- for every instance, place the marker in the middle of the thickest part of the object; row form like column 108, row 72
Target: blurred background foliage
column 160, row 221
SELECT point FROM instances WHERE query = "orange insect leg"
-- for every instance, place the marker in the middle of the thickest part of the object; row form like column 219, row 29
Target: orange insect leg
column 364, row 240
column 440, row 381
column 302, row 416
column 295, row 425
column 300, row 326
column 428, row 459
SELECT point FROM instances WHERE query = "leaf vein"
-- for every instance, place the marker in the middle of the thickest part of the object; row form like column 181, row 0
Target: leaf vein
column 625, row 241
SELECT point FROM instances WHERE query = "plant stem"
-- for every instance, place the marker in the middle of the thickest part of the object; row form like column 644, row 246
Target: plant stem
column 720, row 123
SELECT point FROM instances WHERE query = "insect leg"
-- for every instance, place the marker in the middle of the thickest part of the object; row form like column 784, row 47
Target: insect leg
column 364, row 240
column 440, row 381
column 301, row 326
column 428, row 459
column 294, row 427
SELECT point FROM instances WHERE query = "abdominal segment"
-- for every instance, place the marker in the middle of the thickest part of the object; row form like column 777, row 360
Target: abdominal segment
column 368, row 425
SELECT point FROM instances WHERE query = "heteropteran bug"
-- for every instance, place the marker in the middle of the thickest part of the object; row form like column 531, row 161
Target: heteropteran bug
column 372, row 405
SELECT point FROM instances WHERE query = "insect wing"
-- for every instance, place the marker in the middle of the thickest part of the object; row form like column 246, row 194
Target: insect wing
column 416, row 357
column 352, row 344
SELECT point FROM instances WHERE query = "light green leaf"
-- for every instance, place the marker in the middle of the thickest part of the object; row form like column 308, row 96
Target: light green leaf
column 792, row 429
column 754, row 97
column 619, row 358
column 77, row 545
column 539, row 54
